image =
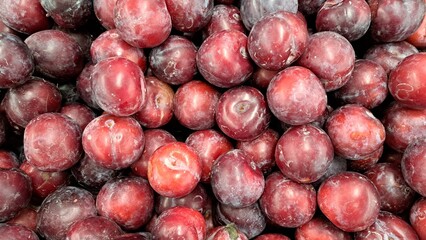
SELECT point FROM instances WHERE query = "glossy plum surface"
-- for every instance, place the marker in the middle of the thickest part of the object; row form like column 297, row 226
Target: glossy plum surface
column 110, row 44
column 127, row 201
column 277, row 40
column 46, row 149
column 17, row 62
column 354, row 131
column 242, row 113
column 195, row 104
column 395, row 194
column 235, row 179
column 143, row 24
column 174, row 60
column 27, row 101
column 174, row 169
column 113, row 142
column 68, row 14
column 367, row 85
column 349, row 200
column 15, row 194
column 26, row 16
column 189, row 16
column 96, row 228
column 331, row 57
column 296, row 96
column 350, row 18
column 413, row 164
column 303, row 153
column 403, row 125
column 118, row 86
column 61, row 209
column 393, row 21
column 225, row 49
column 56, row 54
column 405, row 82
column 287, row 203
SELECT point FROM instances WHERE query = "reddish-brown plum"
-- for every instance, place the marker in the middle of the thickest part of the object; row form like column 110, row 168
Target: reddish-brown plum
column 180, row 223
column 27, row 16
column 350, row 18
column 418, row 38
column 56, row 54
column 403, row 125
column 94, row 228
column 331, row 57
column 261, row 149
column 223, row 60
column 406, row 83
column 209, row 145
column 78, row 112
column 5, row 29
column 194, row 105
column 110, row 44
column 367, row 85
column 249, row 220
column 44, row 183
column 388, row 55
column 319, row 228
column 364, row 163
column 174, row 169
column 242, row 113
column 354, row 131
column 287, row 203
column 174, row 60
column 8, row 160
column 15, row 193
column 127, row 201
column 349, row 200
column 395, row 194
column 387, row 226
column 104, row 11
column 235, row 179
column 84, row 86
column 68, row 14
column 310, row 7
column 198, row 200
column 277, row 40
column 16, row 61
column 262, row 77
column 224, row 17
column 228, row 232
column 46, row 149
column 417, row 217
column 118, row 86
column 27, row 101
column 113, row 142
column 18, row 232
column 158, row 108
column 296, row 96
column 253, row 10
column 413, row 166
column 27, row 217
column 90, row 174
column 83, row 37
column 395, row 20
column 154, row 138
column 142, row 23
column 303, row 153
column 61, row 209
column 189, row 16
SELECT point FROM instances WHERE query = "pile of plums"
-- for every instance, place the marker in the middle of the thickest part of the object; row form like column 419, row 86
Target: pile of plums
column 212, row 119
